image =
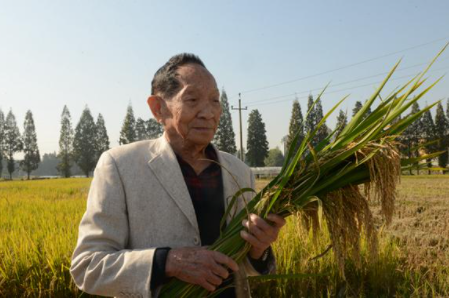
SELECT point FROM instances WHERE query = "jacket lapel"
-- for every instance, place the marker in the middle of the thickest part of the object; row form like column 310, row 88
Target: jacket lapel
column 230, row 185
column 166, row 168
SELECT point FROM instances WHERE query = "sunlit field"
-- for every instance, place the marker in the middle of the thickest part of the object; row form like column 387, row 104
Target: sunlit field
column 413, row 252
column 39, row 222
column 38, row 231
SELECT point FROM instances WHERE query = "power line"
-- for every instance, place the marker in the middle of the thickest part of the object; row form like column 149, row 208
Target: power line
column 342, row 67
column 339, row 84
column 340, row 90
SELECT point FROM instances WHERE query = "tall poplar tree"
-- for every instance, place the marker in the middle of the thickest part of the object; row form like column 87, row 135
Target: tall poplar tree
column 154, row 129
column 428, row 135
column 310, row 119
column 441, row 132
column 2, row 139
column 447, row 109
column 224, row 137
column 342, row 121
column 447, row 133
column 296, row 126
column 447, row 118
column 357, row 107
column 322, row 133
column 65, row 154
column 12, row 143
column 84, row 143
column 368, row 111
column 411, row 136
column 128, row 132
column 257, row 143
column 32, row 157
column 141, row 129
column 102, row 139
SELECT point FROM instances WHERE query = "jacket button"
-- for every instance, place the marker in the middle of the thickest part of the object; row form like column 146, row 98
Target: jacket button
column 196, row 241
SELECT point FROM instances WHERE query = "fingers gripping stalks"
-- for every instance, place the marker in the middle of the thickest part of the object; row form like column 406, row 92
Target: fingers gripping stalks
column 199, row 266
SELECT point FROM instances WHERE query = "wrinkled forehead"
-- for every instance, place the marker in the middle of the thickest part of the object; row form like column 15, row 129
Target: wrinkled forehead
column 193, row 76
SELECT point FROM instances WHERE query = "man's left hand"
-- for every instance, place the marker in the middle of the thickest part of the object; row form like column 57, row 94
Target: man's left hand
column 260, row 233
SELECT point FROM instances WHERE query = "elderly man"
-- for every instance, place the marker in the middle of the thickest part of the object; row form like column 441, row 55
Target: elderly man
column 154, row 206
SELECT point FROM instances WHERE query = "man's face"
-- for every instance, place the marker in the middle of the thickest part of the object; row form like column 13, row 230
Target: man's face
column 194, row 112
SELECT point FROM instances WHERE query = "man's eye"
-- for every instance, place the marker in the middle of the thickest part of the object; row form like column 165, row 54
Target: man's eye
column 193, row 100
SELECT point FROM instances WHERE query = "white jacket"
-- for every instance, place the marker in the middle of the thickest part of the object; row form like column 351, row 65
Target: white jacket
column 138, row 201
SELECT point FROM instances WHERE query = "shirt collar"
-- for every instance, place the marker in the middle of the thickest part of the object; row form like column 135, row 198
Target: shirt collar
column 211, row 154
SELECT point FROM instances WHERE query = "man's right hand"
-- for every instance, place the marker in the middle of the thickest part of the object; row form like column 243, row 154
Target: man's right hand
column 198, row 265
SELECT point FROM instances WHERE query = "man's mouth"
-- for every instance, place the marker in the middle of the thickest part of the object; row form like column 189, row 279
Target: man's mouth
column 203, row 128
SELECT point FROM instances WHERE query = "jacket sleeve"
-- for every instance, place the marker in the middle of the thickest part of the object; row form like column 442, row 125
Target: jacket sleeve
column 271, row 262
column 101, row 264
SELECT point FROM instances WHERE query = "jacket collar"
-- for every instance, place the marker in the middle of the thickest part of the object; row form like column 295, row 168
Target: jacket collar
column 230, row 184
column 166, row 168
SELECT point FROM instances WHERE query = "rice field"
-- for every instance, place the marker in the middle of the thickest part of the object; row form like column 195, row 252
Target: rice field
column 39, row 221
column 413, row 257
column 38, row 232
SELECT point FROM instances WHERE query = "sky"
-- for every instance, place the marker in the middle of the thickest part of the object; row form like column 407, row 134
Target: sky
column 103, row 55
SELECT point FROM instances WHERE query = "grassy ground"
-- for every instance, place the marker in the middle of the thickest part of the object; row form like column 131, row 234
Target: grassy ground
column 39, row 221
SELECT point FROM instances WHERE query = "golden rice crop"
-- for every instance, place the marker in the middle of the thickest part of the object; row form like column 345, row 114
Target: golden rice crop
column 38, row 231
column 412, row 258
column 39, row 225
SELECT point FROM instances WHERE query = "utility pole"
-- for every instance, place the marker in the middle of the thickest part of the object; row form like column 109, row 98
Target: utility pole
column 240, row 118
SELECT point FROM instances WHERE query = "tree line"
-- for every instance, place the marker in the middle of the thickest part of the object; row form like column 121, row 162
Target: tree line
column 258, row 153
column 83, row 145
column 425, row 135
column 11, row 142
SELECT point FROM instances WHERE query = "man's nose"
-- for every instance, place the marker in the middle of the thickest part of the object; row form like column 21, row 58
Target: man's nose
column 206, row 111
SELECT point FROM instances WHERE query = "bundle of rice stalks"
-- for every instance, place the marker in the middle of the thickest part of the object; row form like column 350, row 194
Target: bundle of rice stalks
column 333, row 180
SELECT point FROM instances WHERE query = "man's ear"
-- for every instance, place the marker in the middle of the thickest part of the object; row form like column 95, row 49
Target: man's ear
column 155, row 104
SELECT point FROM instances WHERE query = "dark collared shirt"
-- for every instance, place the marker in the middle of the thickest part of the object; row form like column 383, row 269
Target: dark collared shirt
column 206, row 192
